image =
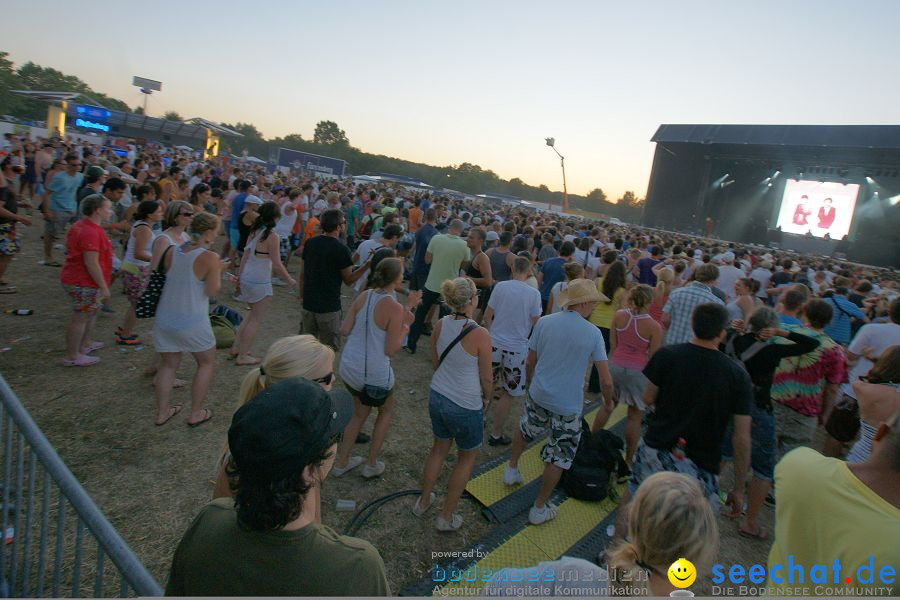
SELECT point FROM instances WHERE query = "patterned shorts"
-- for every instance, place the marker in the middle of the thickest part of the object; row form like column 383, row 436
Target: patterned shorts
column 134, row 280
column 509, row 370
column 648, row 461
column 284, row 248
column 565, row 433
column 9, row 239
column 84, row 299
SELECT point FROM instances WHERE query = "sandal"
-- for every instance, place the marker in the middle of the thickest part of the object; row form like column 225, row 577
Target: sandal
column 246, row 363
column 50, row 263
column 206, row 419
column 173, row 410
column 93, row 347
column 82, row 361
column 8, row 289
column 760, row 533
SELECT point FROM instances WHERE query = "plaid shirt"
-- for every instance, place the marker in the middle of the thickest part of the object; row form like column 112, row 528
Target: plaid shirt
column 680, row 307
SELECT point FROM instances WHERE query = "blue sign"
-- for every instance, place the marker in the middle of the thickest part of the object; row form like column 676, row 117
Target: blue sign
column 92, row 117
column 310, row 162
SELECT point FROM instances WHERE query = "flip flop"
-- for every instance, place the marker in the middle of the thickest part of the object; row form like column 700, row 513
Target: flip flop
column 51, row 263
column 82, row 361
column 760, row 534
column 173, row 410
column 209, row 417
column 248, row 363
column 93, row 347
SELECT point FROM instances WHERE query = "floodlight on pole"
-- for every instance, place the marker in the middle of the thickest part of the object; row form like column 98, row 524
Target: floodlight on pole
column 147, row 87
column 562, row 163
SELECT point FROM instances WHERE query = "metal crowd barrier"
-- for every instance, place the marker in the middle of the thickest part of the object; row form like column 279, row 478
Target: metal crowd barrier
column 54, row 540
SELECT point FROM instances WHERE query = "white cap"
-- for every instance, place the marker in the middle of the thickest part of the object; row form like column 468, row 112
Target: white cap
column 728, row 257
column 253, row 200
column 492, row 236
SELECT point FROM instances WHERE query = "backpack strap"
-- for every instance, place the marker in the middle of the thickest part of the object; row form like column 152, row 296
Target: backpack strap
column 752, row 351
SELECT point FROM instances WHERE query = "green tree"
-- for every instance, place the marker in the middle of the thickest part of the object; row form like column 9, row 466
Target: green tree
column 139, row 110
column 171, row 115
column 9, row 80
column 596, row 200
column 329, row 134
column 629, row 200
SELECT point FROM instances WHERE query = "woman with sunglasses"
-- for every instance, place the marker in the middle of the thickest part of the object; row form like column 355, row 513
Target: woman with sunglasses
column 375, row 326
column 288, row 357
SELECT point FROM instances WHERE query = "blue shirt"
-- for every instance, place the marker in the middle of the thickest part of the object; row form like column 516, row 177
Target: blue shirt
column 646, row 274
column 423, row 237
column 788, row 320
column 839, row 328
column 63, row 191
column 557, row 385
column 553, row 274
column 237, row 205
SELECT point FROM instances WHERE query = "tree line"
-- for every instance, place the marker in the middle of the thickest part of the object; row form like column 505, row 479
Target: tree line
column 328, row 139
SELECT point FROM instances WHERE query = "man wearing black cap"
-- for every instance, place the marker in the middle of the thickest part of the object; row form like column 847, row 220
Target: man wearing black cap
column 266, row 542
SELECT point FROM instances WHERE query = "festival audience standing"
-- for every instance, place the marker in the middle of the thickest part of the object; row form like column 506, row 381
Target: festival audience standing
column 254, row 283
column 552, row 271
column 193, row 276
column 62, row 205
column 86, row 277
column 478, row 269
column 326, row 264
column 135, row 270
column 844, row 312
column 511, row 314
column 665, row 279
column 555, row 399
column 645, row 266
column 743, row 301
column 420, row 246
column 266, row 541
column 572, row 271
column 728, row 276
column 446, row 254
column 374, row 326
column 634, row 338
column 833, row 512
column 878, row 395
column 9, row 208
column 460, row 393
column 678, row 311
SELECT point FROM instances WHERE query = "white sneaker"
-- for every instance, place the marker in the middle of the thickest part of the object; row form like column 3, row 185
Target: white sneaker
column 420, row 510
column 354, row 462
column 369, row 471
column 536, row 515
column 453, row 524
column 278, row 282
column 512, row 476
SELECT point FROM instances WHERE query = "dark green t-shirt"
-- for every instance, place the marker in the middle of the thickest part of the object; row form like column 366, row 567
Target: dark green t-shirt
column 217, row 558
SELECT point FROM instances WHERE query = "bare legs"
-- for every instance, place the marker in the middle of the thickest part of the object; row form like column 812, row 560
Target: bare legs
column 632, row 432
column 165, row 377
column 459, row 476
column 360, row 414
column 501, row 413
column 130, row 319
column 246, row 332
column 78, row 333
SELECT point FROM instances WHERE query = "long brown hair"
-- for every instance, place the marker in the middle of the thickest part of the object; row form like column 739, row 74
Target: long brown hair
column 613, row 280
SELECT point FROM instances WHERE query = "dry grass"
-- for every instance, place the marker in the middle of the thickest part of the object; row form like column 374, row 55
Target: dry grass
column 151, row 481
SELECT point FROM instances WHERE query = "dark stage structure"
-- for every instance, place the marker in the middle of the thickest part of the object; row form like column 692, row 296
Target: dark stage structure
column 747, row 183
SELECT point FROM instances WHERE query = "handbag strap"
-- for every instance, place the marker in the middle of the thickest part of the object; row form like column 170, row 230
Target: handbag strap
column 466, row 330
column 162, row 261
column 366, row 341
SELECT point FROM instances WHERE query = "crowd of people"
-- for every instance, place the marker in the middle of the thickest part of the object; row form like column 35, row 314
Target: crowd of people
column 727, row 356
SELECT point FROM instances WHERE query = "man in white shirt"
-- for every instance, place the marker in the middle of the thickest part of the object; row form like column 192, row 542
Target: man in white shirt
column 389, row 238
column 762, row 274
column 728, row 276
column 510, row 316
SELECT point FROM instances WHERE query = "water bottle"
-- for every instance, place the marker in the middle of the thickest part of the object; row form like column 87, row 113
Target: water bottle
column 678, row 451
column 19, row 311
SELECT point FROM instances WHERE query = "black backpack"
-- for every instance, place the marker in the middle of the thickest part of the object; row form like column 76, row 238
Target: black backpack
column 598, row 460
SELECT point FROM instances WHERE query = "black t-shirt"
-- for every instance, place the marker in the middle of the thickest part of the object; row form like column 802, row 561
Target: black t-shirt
column 8, row 200
column 780, row 278
column 699, row 391
column 324, row 257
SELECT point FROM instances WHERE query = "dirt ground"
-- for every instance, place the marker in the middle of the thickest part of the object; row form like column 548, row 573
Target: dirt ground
column 151, row 481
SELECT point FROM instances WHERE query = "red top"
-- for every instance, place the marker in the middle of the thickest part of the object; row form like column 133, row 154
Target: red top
column 86, row 236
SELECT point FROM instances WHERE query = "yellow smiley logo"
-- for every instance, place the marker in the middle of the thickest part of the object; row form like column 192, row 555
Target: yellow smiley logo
column 682, row 573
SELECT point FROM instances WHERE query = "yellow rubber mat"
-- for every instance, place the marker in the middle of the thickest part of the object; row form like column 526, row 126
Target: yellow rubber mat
column 574, row 520
column 488, row 488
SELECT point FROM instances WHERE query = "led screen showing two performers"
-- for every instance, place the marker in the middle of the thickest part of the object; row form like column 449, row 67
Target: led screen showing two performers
column 817, row 208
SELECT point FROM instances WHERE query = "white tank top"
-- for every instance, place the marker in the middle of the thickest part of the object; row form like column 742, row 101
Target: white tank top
column 363, row 360
column 457, row 377
column 285, row 224
column 258, row 269
column 129, row 248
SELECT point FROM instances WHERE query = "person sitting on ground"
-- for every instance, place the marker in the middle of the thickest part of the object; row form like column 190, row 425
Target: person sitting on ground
column 266, row 541
column 833, row 512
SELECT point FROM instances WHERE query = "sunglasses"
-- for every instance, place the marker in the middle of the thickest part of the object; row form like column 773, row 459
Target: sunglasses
column 326, row 380
column 187, row 214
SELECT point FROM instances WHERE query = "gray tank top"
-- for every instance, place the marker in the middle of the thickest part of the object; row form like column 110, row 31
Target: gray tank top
column 500, row 271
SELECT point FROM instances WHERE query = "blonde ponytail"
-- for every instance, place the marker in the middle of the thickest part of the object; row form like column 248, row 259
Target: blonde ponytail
column 291, row 356
column 664, row 279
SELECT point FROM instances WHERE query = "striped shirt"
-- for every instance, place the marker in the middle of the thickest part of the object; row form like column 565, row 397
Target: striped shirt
column 839, row 328
column 800, row 381
column 680, row 307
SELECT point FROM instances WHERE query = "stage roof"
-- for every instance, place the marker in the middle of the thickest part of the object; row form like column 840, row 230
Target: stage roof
column 831, row 136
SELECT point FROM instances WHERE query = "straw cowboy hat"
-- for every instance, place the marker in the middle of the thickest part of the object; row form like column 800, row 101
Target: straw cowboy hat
column 580, row 291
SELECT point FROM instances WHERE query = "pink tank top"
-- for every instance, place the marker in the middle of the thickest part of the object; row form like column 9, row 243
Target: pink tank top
column 631, row 346
column 656, row 308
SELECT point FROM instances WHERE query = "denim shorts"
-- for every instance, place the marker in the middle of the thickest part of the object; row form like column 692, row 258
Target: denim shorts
column 762, row 442
column 449, row 420
column 234, row 237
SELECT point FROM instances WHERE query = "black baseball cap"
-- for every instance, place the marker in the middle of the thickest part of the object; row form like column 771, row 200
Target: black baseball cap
column 285, row 427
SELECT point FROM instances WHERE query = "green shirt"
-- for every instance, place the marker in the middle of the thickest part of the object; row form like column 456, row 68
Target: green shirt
column 448, row 252
column 352, row 216
column 217, row 558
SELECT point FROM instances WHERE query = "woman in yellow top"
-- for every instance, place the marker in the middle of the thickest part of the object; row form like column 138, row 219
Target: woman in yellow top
column 612, row 285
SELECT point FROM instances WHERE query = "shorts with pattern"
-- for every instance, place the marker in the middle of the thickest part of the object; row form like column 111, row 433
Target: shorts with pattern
column 565, row 433
column 284, row 248
column 648, row 461
column 84, row 299
column 55, row 226
column 134, row 280
column 9, row 239
column 509, row 370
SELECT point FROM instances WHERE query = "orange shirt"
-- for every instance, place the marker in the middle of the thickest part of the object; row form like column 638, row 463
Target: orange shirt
column 312, row 229
column 415, row 219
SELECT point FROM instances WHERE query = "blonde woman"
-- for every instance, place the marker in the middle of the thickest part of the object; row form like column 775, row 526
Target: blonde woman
column 288, row 357
column 193, row 276
column 665, row 281
column 374, row 326
column 668, row 518
column 460, row 392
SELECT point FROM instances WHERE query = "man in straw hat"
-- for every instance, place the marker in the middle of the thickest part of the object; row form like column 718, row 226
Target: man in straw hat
column 559, row 351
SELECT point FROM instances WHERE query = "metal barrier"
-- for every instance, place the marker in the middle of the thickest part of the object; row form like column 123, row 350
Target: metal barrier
column 32, row 469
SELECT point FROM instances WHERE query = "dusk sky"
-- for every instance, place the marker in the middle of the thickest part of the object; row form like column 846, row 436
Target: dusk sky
column 484, row 82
